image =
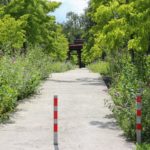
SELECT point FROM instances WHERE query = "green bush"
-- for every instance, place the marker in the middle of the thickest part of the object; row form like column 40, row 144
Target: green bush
column 20, row 76
column 148, row 70
column 123, row 92
column 146, row 115
column 101, row 67
column 124, row 88
column 143, row 147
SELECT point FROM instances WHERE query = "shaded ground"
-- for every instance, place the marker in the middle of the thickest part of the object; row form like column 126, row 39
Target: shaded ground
column 84, row 122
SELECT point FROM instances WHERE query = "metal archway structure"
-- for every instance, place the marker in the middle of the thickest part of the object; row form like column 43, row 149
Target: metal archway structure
column 77, row 46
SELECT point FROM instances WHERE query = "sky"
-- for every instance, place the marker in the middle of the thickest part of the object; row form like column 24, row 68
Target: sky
column 76, row 6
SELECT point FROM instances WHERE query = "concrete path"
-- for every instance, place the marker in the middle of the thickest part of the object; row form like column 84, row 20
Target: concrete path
column 84, row 122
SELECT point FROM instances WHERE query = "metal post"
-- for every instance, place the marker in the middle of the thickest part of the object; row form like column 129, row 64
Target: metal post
column 139, row 118
column 55, row 120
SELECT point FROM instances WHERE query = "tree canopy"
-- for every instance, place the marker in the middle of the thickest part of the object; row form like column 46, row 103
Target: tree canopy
column 118, row 25
column 74, row 27
column 28, row 22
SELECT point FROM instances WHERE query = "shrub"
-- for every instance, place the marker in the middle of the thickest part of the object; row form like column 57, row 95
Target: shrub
column 20, row 76
column 101, row 67
column 143, row 147
column 124, row 88
column 146, row 115
column 123, row 92
column 11, row 40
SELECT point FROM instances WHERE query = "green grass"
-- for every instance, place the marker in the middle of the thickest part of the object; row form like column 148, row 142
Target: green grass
column 61, row 66
column 143, row 147
column 101, row 67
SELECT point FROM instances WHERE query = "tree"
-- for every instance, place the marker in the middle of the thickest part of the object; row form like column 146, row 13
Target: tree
column 73, row 28
column 119, row 22
column 12, row 35
column 36, row 25
column 59, row 46
column 38, row 20
column 121, row 29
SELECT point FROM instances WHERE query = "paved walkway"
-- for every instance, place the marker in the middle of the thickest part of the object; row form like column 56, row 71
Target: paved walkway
column 84, row 122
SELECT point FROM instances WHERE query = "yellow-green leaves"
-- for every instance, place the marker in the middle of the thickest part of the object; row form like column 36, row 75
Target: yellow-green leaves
column 120, row 24
column 102, row 14
column 12, row 34
column 28, row 22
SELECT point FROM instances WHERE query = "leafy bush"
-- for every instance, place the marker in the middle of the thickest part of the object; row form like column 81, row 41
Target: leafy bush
column 125, row 40
column 12, row 39
column 101, row 67
column 148, row 70
column 124, row 94
column 146, row 115
column 143, row 147
column 20, row 76
column 124, row 89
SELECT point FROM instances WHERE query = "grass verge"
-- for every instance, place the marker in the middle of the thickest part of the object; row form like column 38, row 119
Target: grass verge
column 101, row 67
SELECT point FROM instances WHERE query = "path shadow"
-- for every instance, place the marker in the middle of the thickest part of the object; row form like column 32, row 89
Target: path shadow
column 62, row 81
column 91, row 81
column 108, row 123
column 105, row 125
column 106, row 90
column 83, row 81
column 110, row 116
column 56, row 147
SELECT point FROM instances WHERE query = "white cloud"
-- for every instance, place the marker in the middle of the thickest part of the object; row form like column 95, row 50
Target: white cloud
column 76, row 6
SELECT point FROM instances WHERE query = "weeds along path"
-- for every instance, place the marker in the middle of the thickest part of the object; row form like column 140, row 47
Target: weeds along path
column 84, row 122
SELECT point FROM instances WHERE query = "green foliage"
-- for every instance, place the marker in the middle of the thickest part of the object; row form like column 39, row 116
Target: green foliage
column 28, row 22
column 123, row 93
column 73, row 28
column 38, row 20
column 124, row 90
column 121, row 29
column 20, row 76
column 30, row 43
column 61, row 67
column 116, row 26
column 148, row 70
column 12, row 35
column 59, row 46
column 143, row 147
column 100, row 67
column 146, row 114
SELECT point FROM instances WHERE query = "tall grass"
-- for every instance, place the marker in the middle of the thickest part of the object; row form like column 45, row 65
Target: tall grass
column 101, row 67
column 61, row 66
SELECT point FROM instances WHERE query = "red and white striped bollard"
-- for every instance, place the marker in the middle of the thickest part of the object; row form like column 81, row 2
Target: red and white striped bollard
column 55, row 120
column 138, row 118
